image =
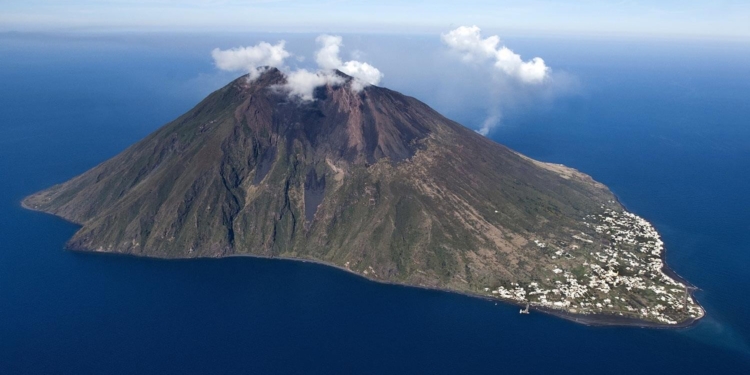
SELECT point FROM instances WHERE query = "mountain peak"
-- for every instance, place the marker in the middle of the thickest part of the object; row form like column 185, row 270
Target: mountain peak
column 359, row 126
column 273, row 78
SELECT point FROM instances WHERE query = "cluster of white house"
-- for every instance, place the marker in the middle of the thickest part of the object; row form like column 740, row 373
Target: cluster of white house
column 643, row 289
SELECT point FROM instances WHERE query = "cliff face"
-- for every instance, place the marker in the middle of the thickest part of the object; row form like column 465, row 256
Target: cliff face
column 372, row 181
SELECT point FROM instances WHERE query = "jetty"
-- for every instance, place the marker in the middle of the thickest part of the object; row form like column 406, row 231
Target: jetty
column 525, row 310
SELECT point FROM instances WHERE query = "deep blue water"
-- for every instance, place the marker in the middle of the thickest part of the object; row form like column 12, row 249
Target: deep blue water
column 665, row 124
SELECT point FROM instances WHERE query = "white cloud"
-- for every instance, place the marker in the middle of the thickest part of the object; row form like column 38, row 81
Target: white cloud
column 364, row 74
column 511, row 79
column 469, row 43
column 328, row 58
column 302, row 83
column 251, row 59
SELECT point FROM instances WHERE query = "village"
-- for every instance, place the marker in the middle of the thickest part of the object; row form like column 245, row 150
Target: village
column 623, row 278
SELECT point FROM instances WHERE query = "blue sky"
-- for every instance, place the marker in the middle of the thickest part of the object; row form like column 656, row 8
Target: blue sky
column 691, row 18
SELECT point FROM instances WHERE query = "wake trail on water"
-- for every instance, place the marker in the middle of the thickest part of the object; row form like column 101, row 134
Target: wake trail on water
column 716, row 333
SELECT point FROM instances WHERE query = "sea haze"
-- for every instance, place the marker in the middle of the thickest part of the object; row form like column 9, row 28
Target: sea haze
column 663, row 123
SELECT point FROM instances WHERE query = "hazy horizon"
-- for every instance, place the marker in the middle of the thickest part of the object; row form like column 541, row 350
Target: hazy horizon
column 664, row 18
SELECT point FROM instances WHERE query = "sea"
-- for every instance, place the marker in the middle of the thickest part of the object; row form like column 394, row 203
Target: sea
column 664, row 122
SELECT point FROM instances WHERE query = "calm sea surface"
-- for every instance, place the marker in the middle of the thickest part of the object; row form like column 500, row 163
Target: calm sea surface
column 665, row 124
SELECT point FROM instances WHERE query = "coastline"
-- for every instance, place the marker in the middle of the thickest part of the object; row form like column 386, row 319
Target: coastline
column 591, row 320
column 665, row 266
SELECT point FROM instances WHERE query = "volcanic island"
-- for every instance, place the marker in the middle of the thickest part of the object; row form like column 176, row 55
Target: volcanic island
column 369, row 180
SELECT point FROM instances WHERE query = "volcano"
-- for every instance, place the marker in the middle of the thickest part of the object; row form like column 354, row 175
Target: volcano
column 377, row 183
